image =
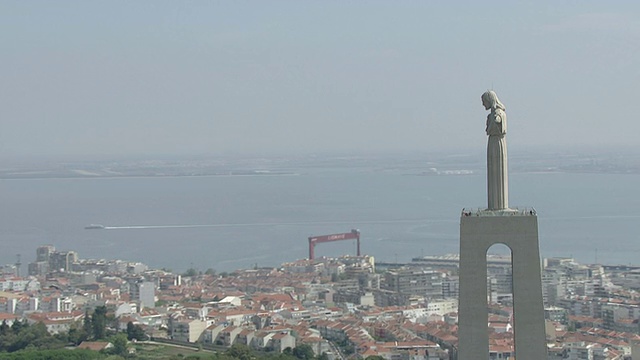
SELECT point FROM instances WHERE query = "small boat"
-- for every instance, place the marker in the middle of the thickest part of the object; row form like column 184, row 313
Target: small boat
column 94, row 226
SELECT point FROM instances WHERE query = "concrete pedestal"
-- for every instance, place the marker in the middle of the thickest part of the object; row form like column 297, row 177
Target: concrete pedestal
column 517, row 229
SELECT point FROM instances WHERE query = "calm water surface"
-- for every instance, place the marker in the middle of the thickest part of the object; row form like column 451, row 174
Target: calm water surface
column 265, row 220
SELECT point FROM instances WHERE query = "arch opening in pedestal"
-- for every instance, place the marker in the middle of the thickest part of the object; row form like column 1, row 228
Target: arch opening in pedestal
column 500, row 300
column 499, row 275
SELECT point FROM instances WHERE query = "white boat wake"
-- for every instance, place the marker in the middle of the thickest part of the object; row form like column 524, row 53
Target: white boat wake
column 338, row 222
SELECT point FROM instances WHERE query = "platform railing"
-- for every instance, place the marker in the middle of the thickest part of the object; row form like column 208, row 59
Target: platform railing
column 515, row 211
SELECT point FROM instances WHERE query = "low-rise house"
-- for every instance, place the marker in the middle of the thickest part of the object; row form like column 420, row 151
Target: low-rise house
column 261, row 340
column 124, row 321
column 229, row 334
column 245, row 337
column 318, row 344
column 500, row 352
column 125, row 309
column 187, row 330
column 56, row 322
column 7, row 303
column 281, row 341
column 228, row 301
column 150, row 317
column 56, row 302
column 414, row 350
column 211, row 334
column 9, row 319
column 18, row 284
column 95, row 345
column 238, row 317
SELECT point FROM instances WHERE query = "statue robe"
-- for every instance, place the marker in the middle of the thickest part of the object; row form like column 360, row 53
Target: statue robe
column 497, row 178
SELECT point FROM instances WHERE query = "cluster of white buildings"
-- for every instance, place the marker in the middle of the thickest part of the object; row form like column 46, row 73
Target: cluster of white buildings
column 410, row 312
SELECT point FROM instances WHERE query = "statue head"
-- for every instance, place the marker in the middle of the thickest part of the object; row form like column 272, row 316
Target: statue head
column 490, row 100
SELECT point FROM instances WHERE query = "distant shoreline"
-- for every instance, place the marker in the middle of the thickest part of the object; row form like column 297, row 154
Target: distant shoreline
column 97, row 177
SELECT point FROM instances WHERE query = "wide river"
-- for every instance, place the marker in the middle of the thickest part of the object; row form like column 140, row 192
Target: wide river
column 231, row 222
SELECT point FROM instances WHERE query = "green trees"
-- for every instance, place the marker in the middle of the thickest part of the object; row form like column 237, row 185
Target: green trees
column 135, row 332
column 86, row 325
column 18, row 325
column 59, row 354
column 119, row 342
column 303, row 352
column 76, row 334
column 24, row 341
column 99, row 322
column 21, row 335
column 190, row 272
column 241, row 352
column 4, row 328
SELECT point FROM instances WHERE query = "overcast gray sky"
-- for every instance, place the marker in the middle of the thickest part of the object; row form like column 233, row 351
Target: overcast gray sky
column 213, row 77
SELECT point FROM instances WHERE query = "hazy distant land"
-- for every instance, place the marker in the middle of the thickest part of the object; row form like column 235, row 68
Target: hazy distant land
column 412, row 164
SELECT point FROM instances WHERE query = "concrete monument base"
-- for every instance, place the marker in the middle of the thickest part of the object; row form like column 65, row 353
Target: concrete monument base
column 517, row 229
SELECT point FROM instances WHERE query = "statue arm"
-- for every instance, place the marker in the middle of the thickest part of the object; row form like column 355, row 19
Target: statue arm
column 501, row 121
column 497, row 118
column 496, row 124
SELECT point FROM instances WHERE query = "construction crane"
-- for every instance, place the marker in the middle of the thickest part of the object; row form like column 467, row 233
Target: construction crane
column 313, row 240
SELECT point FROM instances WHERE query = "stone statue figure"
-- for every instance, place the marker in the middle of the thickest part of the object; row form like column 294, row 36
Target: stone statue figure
column 497, row 177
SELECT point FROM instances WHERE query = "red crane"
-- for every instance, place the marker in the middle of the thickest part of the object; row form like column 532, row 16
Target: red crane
column 354, row 234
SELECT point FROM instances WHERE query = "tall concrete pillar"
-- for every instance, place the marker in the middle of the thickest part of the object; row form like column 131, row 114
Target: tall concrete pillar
column 517, row 229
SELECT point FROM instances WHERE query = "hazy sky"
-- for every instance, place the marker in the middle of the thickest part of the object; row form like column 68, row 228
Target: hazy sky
column 213, row 77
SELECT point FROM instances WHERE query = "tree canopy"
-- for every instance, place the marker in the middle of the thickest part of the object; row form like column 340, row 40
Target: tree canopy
column 22, row 335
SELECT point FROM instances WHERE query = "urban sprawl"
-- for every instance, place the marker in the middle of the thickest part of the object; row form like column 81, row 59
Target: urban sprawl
column 340, row 307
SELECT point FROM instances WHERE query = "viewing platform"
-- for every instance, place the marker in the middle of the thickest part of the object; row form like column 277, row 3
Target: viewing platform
column 527, row 211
